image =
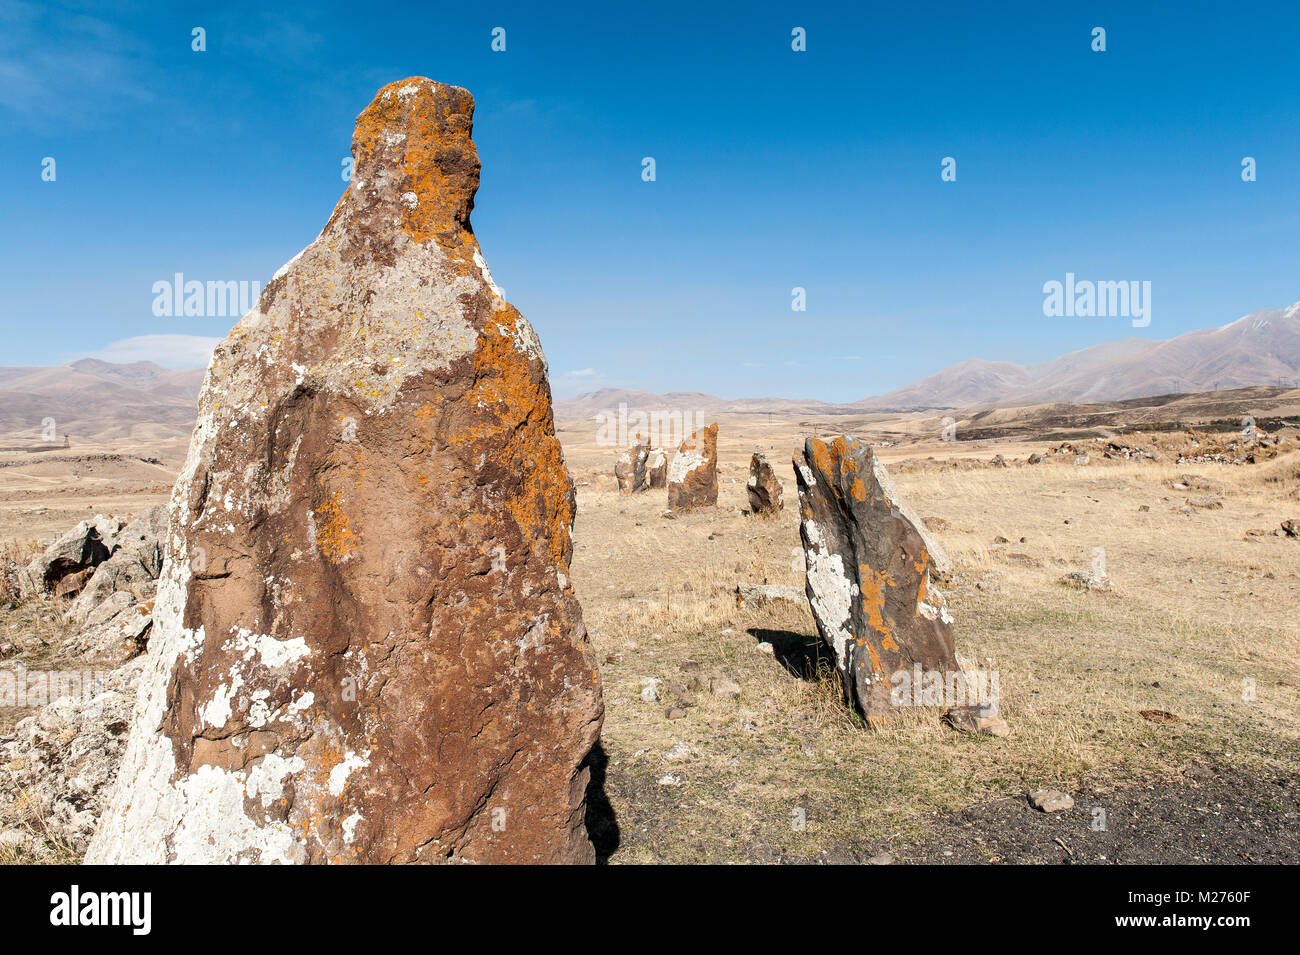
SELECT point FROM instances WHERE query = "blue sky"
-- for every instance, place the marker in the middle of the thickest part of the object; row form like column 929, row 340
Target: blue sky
column 775, row 169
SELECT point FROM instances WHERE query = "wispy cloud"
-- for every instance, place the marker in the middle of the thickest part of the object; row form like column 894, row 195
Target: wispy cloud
column 170, row 351
column 59, row 67
column 577, row 381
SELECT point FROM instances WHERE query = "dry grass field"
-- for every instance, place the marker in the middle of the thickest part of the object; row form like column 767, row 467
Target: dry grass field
column 1201, row 623
column 1199, row 613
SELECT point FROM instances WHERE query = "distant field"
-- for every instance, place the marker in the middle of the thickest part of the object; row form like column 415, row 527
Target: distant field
column 1200, row 624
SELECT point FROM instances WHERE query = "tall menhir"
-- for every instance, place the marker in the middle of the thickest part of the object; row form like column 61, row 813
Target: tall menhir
column 367, row 647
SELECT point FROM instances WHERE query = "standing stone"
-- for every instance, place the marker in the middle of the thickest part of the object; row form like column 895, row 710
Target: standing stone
column 656, row 468
column 870, row 564
column 765, row 490
column 630, row 469
column 693, row 473
column 366, row 646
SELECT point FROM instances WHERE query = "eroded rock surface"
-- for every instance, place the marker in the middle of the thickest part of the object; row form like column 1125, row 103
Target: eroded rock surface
column 630, row 468
column 693, row 472
column 133, row 566
column 765, row 491
column 366, row 647
column 65, row 566
column 871, row 573
column 59, row 764
column 656, row 468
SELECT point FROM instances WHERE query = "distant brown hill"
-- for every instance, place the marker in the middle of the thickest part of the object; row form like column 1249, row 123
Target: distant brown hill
column 1262, row 348
column 97, row 401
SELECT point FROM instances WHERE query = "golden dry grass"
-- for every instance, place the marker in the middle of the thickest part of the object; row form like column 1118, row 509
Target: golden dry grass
column 1198, row 616
column 1197, row 609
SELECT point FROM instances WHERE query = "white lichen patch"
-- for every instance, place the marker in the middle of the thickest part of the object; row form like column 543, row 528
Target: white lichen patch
column 486, row 274
column 217, row 712
column 266, row 778
column 683, row 463
column 832, row 593
column 535, row 638
column 339, row 774
column 272, row 653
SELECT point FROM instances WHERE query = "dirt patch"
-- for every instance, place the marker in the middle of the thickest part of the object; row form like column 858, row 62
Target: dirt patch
column 1210, row 815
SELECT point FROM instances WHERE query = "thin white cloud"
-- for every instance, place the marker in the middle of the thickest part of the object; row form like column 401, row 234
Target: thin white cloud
column 577, row 381
column 60, row 68
column 170, row 351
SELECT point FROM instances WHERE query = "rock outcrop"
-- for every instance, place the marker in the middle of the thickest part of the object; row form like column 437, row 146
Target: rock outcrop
column 693, row 473
column 133, row 566
column 761, row 595
column 656, row 468
column 765, row 491
column 630, row 468
column 61, row 762
column 871, row 573
column 366, row 646
column 65, row 566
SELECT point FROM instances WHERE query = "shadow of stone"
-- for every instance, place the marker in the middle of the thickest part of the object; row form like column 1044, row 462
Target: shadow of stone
column 602, row 826
column 802, row 655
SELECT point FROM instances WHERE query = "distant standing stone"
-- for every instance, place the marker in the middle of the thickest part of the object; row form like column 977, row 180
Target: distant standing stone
column 693, row 473
column 765, row 491
column 656, row 468
column 630, row 469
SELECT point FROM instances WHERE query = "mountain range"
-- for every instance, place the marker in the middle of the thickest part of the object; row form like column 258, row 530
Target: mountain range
column 93, row 400
column 1262, row 348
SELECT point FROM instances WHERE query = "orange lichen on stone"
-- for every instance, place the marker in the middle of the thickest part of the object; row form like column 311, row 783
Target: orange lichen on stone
column 876, row 666
column 439, row 162
column 333, row 536
column 821, row 455
column 518, row 405
column 873, row 598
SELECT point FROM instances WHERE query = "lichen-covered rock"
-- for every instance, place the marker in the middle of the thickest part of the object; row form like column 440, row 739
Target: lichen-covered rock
column 656, row 468
column 58, row 765
column 81, row 549
column 693, row 473
column 765, row 491
column 871, row 573
column 133, row 566
column 114, row 632
column 366, row 646
column 630, row 468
